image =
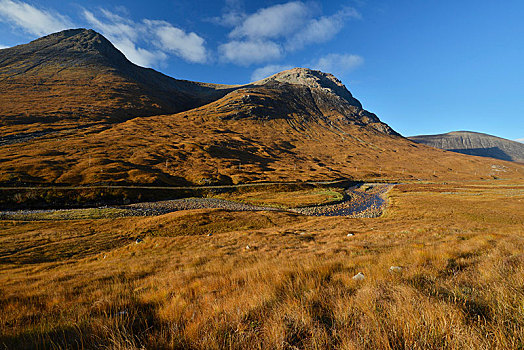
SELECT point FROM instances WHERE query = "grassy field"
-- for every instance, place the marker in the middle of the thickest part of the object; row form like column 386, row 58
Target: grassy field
column 275, row 280
column 287, row 199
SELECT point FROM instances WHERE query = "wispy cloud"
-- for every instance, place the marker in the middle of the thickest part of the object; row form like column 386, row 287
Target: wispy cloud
column 289, row 26
column 127, row 35
column 188, row 46
column 337, row 64
column 266, row 71
column 32, row 20
column 232, row 15
column 3, row 46
column 273, row 22
column 247, row 52
column 124, row 34
column 520, row 140
column 321, row 29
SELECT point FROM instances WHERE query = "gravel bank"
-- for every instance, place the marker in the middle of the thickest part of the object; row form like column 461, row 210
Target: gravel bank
column 367, row 200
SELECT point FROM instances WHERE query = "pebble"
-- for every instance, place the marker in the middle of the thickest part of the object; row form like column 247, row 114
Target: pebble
column 248, row 247
column 350, row 235
column 209, row 234
column 359, row 276
column 168, row 206
column 395, row 269
column 138, row 240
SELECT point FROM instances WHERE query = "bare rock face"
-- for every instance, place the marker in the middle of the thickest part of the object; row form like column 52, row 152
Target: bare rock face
column 476, row 144
column 322, row 95
column 313, row 79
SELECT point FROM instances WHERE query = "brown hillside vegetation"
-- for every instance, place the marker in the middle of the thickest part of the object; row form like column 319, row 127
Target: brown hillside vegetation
column 74, row 110
column 272, row 132
column 78, row 77
column 459, row 282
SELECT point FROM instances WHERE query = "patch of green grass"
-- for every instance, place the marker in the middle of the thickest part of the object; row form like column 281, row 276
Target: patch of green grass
column 287, row 199
column 67, row 214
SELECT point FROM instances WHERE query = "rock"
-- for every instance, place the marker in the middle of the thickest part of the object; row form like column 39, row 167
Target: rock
column 139, row 240
column 359, row 276
column 313, row 79
column 248, row 247
column 350, row 235
column 209, row 234
column 395, row 269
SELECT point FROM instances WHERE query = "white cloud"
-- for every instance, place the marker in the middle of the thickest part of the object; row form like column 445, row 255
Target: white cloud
column 266, row 71
column 136, row 54
column 3, row 46
column 520, row 140
column 273, row 22
column 232, row 15
column 188, row 46
column 337, row 63
column 245, row 53
column 280, row 29
column 31, row 19
column 126, row 35
column 321, row 29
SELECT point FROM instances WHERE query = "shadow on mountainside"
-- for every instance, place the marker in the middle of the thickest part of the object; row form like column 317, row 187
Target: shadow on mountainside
column 491, row 152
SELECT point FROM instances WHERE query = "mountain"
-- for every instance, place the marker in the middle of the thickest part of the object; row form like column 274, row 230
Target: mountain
column 475, row 143
column 78, row 75
column 78, row 112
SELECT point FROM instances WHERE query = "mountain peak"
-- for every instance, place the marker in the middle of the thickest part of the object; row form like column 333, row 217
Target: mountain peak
column 71, row 46
column 313, row 79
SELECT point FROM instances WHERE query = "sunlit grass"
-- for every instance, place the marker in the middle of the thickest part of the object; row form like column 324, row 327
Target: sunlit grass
column 460, row 284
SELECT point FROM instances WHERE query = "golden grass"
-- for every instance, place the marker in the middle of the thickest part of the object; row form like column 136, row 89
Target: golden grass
column 461, row 285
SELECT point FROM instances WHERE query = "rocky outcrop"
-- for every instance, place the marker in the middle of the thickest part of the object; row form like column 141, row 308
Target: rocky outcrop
column 315, row 79
column 322, row 95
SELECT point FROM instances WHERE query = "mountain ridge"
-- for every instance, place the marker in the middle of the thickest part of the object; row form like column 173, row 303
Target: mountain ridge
column 475, row 143
column 58, row 68
column 50, row 69
column 83, row 115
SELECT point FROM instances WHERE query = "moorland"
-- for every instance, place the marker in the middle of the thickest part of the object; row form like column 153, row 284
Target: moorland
column 142, row 211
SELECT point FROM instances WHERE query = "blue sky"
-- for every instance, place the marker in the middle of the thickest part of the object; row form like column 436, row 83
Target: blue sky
column 423, row 67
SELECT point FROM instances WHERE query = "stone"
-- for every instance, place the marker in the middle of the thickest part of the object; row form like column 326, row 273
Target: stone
column 359, row 276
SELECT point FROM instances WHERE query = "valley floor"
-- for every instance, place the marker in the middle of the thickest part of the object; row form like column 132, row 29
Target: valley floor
column 443, row 268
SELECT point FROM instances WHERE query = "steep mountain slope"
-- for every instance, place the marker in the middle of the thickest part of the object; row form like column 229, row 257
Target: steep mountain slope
column 475, row 143
column 272, row 132
column 78, row 75
column 299, row 124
